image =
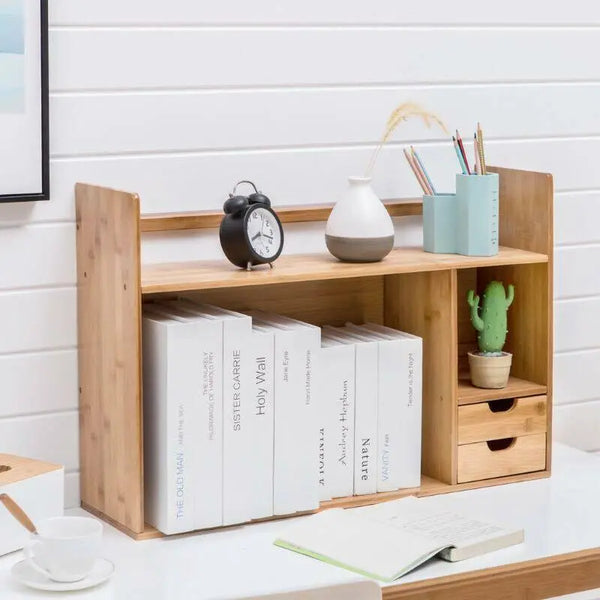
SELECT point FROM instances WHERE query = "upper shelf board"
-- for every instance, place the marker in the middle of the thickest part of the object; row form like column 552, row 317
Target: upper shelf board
column 203, row 275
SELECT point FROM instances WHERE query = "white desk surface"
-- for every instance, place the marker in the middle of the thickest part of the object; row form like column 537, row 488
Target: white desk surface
column 559, row 515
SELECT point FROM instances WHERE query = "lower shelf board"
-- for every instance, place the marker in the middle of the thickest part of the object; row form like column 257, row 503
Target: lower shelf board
column 429, row 487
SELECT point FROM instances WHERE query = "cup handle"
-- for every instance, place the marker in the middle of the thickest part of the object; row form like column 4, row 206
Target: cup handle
column 30, row 557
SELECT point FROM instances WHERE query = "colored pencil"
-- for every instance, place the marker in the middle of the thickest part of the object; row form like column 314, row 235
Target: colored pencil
column 476, row 148
column 423, row 169
column 481, row 150
column 421, row 181
column 461, row 162
column 420, row 174
column 462, row 151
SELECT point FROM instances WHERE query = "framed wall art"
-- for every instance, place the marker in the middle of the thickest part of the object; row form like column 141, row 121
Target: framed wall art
column 24, row 144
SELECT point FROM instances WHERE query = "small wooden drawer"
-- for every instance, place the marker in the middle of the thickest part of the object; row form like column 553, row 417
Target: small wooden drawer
column 499, row 458
column 500, row 419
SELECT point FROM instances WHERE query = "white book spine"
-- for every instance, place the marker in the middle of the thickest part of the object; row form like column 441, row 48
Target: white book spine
column 237, row 407
column 392, row 369
column 365, row 433
column 209, row 493
column 262, row 420
column 324, row 428
column 171, row 409
column 338, row 389
column 407, row 471
column 410, row 440
column 309, row 488
column 295, row 477
column 286, row 431
column 325, row 415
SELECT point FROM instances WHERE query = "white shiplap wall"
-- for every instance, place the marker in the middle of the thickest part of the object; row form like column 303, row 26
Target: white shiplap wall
column 176, row 100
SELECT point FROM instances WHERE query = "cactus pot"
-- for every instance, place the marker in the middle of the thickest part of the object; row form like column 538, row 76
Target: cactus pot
column 489, row 372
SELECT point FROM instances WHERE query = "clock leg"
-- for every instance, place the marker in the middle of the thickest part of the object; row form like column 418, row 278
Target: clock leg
column 249, row 266
column 271, row 265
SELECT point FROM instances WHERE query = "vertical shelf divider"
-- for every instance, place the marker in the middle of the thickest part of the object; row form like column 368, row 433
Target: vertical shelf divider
column 425, row 304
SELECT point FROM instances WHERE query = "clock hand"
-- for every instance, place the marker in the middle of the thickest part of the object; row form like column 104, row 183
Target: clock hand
column 259, row 234
column 269, row 237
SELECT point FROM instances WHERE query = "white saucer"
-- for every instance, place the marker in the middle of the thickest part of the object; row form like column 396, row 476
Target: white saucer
column 27, row 575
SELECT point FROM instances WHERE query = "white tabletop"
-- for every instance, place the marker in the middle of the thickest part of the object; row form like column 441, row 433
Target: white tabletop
column 559, row 515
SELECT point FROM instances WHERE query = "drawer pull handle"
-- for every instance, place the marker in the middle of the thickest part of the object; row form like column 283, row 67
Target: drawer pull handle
column 504, row 444
column 4, row 468
column 501, row 405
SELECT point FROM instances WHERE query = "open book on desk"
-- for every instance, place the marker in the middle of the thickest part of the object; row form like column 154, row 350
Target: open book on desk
column 387, row 540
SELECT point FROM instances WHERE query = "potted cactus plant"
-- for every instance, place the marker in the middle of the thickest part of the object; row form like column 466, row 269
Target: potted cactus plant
column 490, row 367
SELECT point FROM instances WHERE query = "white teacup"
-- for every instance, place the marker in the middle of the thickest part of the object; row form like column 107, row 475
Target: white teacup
column 66, row 547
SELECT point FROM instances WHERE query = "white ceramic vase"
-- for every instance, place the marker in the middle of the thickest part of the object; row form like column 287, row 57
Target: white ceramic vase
column 359, row 228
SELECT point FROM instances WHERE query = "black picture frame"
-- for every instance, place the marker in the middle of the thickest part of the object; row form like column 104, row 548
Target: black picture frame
column 44, row 104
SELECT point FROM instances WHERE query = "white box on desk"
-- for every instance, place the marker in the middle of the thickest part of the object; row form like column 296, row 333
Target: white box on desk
column 37, row 487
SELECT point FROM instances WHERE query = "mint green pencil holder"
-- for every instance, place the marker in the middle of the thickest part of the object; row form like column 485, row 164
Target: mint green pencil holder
column 439, row 223
column 477, row 214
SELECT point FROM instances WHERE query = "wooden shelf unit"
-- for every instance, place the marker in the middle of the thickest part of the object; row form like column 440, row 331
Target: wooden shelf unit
column 411, row 290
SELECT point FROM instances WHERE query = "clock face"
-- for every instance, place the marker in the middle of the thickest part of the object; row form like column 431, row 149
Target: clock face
column 264, row 232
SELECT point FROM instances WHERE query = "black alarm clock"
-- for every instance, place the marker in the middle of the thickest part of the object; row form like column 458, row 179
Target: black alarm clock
column 250, row 232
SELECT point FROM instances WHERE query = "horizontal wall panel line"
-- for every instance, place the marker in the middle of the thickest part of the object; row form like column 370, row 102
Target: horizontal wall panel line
column 301, row 148
column 42, row 413
column 577, row 245
column 226, row 27
column 36, row 351
column 32, row 224
column 37, row 288
column 575, row 297
column 587, row 350
column 580, row 403
column 124, row 90
column 25, row 417
column 283, row 88
column 25, row 353
column 582, row 191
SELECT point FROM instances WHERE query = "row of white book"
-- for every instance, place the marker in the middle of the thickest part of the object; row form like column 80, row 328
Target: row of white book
column 252, row 415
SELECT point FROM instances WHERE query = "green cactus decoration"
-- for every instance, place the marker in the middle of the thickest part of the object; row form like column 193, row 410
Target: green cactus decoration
column 491, row 325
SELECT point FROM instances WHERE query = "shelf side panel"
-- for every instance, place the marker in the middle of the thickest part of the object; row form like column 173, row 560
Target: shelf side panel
column 526, row 210
column 527, row 222
column 425, row 304
column 108, row 307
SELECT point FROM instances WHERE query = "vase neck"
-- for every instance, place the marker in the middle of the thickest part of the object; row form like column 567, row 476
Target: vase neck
column 359, row 181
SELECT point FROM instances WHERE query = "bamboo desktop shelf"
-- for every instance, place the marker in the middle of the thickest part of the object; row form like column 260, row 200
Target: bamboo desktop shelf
column 411, row 290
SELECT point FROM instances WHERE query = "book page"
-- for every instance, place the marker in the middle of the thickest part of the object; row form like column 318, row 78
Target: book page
column 442, row 527
column 347, row 539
